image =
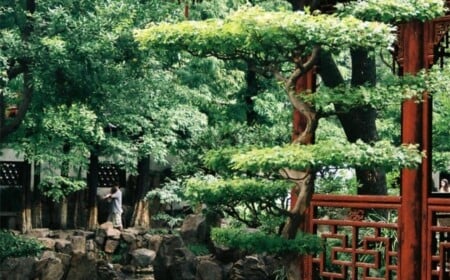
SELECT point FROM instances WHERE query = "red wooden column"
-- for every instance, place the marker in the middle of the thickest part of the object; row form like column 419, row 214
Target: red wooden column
column 414, row 183
column 306, row 83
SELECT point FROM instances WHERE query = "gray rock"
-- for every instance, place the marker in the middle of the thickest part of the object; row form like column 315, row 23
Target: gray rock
column 49, row 268
column 82, row 268
column 78, row 244
column 17, row 268
column 142, row 257
column 208, row 269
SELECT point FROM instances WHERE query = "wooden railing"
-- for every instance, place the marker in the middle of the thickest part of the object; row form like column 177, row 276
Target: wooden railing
column 360, row 235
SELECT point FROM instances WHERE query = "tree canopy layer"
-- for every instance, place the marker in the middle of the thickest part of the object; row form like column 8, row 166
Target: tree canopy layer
column 266, row 36
column 392, row 11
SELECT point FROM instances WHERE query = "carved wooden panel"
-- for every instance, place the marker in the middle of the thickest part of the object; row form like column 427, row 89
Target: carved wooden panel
column 109, row 174
column 12, row 173
column 361, row 237
column 439, row 239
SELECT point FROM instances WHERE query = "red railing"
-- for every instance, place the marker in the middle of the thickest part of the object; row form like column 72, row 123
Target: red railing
column 360, row 235
column 438, row 238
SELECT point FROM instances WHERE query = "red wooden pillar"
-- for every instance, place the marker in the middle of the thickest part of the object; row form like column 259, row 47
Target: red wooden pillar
column 415, row 183
column 305, row 83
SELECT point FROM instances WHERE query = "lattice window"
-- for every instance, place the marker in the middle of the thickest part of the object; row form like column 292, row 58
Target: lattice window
column 11, row 174
column 360, row 243
column 439, row 236
column 110, row 174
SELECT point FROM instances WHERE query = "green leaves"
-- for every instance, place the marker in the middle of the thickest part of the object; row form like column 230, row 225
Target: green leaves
column 58, row 187
column 393, row 11
column 236, row 191
column 328, row 153
column 267, row 36
column 18, row 246
column 390, row 91
column 259, row 242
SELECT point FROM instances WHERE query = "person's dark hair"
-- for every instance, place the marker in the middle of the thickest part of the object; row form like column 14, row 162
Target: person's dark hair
column 114, row 189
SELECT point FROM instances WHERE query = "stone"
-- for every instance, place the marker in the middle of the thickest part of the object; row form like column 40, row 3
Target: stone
column 85, row 233
column 78, row 244
column 194, row 229
column 63, row 246
column 17, row 268
column 113, row 233
column 184, row 265
column 100, row 238
column 111, row 246
column 128, row 237
column 133, row 230
column 208, row 269
column 49, row 268
column 106, row 225
column 90, row 245
column 142, row 257
column 249, row 268
column 48, row 243
column 82, row 268
column 164, row 256
column 153, row 241
column 38, row 232
column 105, row 271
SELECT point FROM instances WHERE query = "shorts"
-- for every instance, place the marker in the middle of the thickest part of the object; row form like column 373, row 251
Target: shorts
column 116, row 219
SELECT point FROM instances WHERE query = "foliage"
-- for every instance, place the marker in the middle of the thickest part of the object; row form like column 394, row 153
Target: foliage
column 392, row 90
column 265, row 36
column 120, row 253
column 326, row 153
column 169, row 194
column 171, row 221
column 250, row 201
column 59, row 187
column 393, row 11
column 336, row 180
column 441, row 115
column 18, row 246
column 259, row 242
column 198, row 249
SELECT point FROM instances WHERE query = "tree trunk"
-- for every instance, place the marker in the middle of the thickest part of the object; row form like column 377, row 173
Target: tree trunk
column 358, row 123
column 141, row 215
column 63, row 204
column 250, row 92
column 63, row 211
column 92, row 178
column 26, row 200
column 37, row 199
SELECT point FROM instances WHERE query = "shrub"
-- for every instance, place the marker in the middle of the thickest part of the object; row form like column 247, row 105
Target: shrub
column 18, row 246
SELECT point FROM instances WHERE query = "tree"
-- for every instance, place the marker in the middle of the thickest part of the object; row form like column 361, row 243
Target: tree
column 286, row 42
column 88, row 76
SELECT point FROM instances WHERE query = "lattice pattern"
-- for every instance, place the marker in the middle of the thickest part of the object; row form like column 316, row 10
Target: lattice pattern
column 439, row 239
column 358, row 252
column 110, row 174
column 11, row 174
column 360, row 237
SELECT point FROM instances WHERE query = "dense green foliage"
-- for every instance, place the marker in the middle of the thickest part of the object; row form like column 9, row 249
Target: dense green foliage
column 259, row 242
column 250, row 201
column 265, row 36
column 18, row 246
column 338, row 154
column 441, row 115
column 393, row 11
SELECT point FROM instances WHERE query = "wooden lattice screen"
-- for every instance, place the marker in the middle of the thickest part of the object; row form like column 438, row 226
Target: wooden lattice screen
column 12, row 173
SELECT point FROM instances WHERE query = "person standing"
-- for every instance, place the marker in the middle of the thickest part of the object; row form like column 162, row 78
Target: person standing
column 115, row 210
